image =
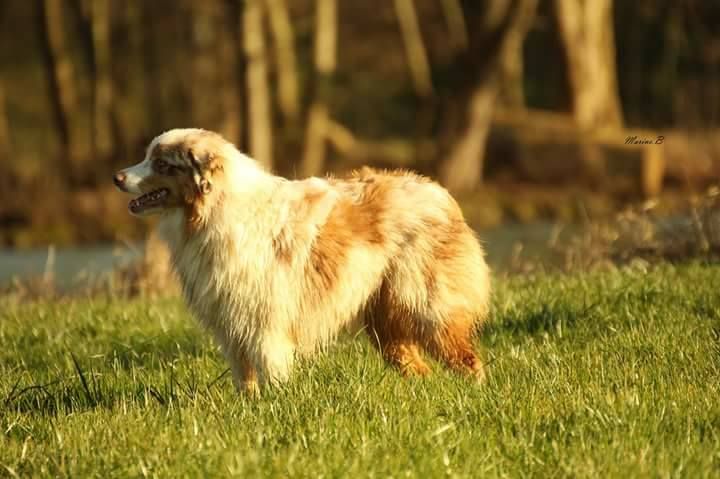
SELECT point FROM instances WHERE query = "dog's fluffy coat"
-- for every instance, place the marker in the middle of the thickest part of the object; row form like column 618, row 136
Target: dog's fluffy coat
column 274, row 267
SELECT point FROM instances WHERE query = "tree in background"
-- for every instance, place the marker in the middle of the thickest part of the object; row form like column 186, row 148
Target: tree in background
column 259, row 119
column 148, row 66
column 103, row 115
column 512, row 75
column 60, row 74
column 588, row 41
column 204, row 24
column 467, row 116
column 286, row 68
column 415, row 52
column 325, row 60
column 215, row 54
column 5, row 146
column 313, row 86
column 456, row 26
column 229, row 78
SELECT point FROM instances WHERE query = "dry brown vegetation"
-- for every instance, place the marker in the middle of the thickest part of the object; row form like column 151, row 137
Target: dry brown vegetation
column 640, row 235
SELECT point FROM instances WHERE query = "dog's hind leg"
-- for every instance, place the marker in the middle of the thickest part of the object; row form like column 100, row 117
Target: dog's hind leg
column 451, row 343
column 446, row 288
column 405, row 355
column 389, row 326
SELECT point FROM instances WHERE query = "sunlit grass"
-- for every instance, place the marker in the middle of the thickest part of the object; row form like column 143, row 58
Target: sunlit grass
column 604, row 374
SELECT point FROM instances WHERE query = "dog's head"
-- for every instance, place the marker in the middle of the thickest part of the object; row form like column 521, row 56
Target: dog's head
column 180, row 170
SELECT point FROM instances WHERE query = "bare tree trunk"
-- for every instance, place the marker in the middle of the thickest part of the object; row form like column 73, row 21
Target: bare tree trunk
column 259, row 120
column 586, row 31
column 152, row 78
column 414, row 47
column 60, row 76
column 231, row 122
column 463, row 167
column 455, row 19
column 204, row 63
column 285, row 60
column 512, row 90
column 129, row 129
column 103, row 140
column 217, row 44
column 325, row 62
column 5, row 145
column 236, row 8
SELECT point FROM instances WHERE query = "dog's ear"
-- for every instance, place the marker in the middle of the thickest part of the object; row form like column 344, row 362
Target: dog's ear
column 201, row 172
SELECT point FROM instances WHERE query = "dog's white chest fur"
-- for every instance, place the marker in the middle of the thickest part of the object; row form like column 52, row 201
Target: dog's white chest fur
column 225, row 276
column 237, row 286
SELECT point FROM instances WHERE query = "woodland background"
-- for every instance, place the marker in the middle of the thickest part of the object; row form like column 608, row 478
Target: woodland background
column 520, row 107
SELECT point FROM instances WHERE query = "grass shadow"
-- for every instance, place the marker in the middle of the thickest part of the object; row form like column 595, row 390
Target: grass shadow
column 139, row 370
column 140, row 350
column 550, row 318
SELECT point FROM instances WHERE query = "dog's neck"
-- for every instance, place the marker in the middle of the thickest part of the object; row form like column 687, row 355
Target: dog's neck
column 243, row 186
column 243, row 175
column 242, row 190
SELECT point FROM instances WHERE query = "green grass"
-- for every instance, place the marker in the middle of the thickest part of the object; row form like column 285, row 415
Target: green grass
column 603, row 374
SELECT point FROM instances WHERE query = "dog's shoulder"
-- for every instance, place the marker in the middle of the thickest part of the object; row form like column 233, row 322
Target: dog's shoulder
column 311, row 197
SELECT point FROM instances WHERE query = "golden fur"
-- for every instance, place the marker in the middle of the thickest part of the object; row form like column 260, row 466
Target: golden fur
column 275, row 268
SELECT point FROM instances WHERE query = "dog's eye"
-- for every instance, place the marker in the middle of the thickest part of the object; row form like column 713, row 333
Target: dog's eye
column 162, row 166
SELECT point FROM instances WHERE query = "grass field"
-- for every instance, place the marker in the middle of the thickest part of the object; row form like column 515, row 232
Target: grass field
column 602, row 374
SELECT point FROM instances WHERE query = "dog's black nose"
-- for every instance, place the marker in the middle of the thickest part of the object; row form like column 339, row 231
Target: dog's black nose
column 119, row 178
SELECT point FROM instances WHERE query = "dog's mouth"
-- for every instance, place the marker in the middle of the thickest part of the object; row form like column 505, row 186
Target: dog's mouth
column 153, row 199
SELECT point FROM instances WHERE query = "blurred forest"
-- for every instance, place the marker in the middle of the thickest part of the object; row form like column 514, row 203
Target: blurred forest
column 527, row 109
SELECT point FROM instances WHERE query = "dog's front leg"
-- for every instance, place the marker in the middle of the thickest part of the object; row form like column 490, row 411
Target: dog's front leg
column 242, row 366
column 244, row 373
column 276, row 356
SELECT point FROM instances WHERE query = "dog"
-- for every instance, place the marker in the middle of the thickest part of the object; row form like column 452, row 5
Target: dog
column 276, row 269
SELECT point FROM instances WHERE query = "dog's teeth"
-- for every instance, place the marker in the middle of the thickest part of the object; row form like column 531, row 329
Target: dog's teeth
column 148, row 197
